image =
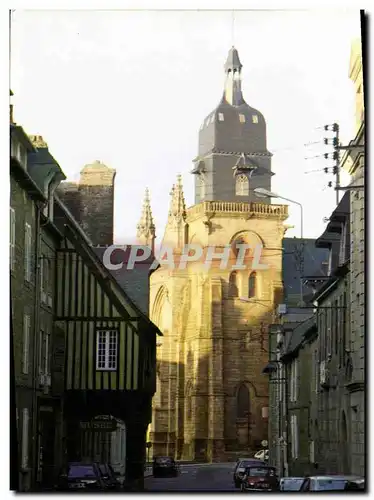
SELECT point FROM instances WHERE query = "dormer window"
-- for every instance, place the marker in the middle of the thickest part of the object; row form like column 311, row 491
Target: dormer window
column 242, row 118
column 18, row 151
column 241, row 185
column 220, row 117
column 254, row 119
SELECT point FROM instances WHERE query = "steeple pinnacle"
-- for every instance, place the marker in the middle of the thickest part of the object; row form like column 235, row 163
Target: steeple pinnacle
column 146, row 230
column 177, row 210
column 233, row 86
column 175, row 227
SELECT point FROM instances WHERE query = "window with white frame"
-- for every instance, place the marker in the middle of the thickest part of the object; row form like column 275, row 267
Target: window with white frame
column 294, row 437
column 242, row 118
column 220, row 117
column 44, row 348
column 241, row 185
column 25, row 438
column 254, row 119
column 106, row 349
column 12, row 239
column 26, row 343
column 27, row 252
column 294, row 386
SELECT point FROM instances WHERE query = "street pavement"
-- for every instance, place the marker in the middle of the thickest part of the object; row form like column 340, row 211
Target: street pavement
column 196, row 478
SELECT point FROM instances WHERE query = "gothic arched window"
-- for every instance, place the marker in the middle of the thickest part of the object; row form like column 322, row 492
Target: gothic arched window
column 242, row 402
column 241, row 185
column 233, row 285
column 252, row 285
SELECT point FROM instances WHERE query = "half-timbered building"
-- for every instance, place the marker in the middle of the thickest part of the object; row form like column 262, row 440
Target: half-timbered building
column 110, row 356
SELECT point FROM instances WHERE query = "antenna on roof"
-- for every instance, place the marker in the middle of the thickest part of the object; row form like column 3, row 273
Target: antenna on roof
column 233, row 27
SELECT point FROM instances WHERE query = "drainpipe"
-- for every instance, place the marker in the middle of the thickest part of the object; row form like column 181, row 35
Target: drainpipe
column 35, row 438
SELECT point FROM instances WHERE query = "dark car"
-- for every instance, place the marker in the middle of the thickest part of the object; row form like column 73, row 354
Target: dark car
column 164, row 466
column 240, row 467
column 260, row 478
column 82, row 477
column 108, row 475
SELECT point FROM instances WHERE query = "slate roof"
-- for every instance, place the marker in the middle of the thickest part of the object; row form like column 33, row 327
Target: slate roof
column 134, row 282
column 298, row 335
column 314, row 259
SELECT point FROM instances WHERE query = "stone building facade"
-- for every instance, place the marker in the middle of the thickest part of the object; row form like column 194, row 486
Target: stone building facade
column 211, row 401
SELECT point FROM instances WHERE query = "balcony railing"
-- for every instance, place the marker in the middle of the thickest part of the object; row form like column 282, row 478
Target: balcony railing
column 228, row 207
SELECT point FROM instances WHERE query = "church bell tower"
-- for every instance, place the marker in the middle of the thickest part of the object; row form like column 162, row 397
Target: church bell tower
column 233, row 158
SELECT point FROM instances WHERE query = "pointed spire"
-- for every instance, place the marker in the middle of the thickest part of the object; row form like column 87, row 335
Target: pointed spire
column 233, row 62
column 177, row 208
column 146, row 229
column 233, row 87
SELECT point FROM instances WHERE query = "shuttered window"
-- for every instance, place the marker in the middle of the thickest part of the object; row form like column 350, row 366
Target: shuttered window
column 294, row 437
column 27, row 252
column 25, row 438
column 106, row 350
column 12, row 238
column 26, row 343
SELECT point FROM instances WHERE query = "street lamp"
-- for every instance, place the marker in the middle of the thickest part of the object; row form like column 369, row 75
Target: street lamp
column 264, row 193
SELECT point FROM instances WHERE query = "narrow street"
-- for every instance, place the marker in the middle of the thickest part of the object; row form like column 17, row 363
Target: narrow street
column 196, row 478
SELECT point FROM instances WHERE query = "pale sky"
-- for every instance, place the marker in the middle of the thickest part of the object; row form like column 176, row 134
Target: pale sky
column 132, row 89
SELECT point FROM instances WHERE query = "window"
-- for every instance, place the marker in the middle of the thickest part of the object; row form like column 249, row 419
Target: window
column 252, row 285
column 254, row 119
column 12, row 240
column 294, row 437
column 336, row 325
column 46, row 355
column 42, row 279
column 106, row 350
column 23, row 155
column 316, row 372
column 311, row 452
column 294, row 382
column 242, row 402
column 25, row 438
column 26, row 343
column 220, row 117
column 242, row 118
column 27, row 252
column 233, row 285
column 241, row 185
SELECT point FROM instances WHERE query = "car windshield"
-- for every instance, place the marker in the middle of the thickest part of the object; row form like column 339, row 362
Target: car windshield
column 330, row 484
column 247, row 463
column 259, row 471
column 291, row 484
column 163, row 460
column 81, row 471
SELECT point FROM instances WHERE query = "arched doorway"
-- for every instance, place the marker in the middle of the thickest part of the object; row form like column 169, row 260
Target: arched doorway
column 344, row 453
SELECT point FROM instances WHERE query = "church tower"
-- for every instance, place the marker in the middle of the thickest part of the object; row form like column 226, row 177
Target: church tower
column 233, row 158
column 214, row 311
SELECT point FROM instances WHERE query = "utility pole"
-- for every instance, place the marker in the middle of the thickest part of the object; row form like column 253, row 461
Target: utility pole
column 334, row 141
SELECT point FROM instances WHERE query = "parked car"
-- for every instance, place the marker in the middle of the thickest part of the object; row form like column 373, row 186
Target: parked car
column 260, row 478
column 332, row 483
column 82, row 476
column 290, row 483
column 239, row 470
column 262, row 455
column 164, row 466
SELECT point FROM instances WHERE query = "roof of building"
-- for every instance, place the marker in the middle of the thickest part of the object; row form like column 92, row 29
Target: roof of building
column 132, row 277
column 315, row 264
column 298, row 335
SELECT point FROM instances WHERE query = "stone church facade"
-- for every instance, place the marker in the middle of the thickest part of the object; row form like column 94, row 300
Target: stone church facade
column 211, row 401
